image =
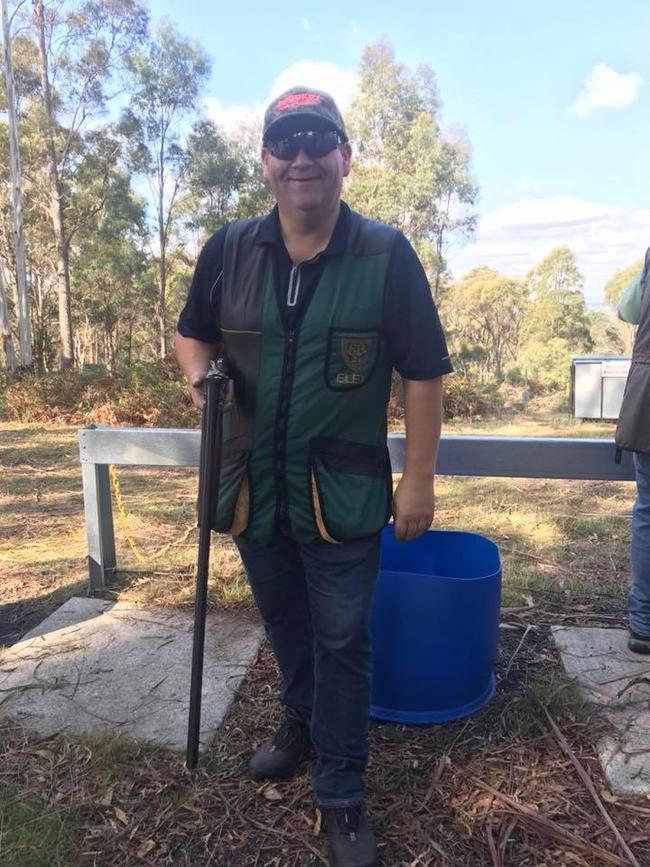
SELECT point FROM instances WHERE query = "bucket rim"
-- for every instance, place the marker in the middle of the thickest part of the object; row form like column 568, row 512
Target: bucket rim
column 488, row 576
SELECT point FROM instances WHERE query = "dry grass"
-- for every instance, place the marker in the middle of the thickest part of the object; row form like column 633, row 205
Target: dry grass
column 453, row 795
column 494, row 789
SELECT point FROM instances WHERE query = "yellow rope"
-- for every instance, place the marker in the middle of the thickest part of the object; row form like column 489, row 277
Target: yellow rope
column 124, row 524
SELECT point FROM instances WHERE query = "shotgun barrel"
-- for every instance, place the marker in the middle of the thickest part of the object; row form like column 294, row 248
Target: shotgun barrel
column 216, row 381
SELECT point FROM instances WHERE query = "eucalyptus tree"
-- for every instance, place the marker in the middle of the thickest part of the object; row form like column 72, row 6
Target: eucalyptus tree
column 254, row 196
column 483, row 313
column 22, row 310
column 215, row 172
column 612, row 292
column 557, row 305
column 168, row 71
column 82, row 51
column 407, row 172
column 109, row 267
column 6, row 339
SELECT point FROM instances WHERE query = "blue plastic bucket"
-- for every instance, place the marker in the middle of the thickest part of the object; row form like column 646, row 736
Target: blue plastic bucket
column 435, row 626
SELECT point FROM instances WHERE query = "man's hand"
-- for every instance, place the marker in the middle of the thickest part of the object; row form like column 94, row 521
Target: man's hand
column 195, row 385
column 413, row 506
column 194, row 357
column 197, row 393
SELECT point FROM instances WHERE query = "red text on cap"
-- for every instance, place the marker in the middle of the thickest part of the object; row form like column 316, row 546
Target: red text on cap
column 297, row 99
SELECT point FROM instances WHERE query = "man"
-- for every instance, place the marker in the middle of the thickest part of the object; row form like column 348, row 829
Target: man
column 633, row 432
column 315, row 306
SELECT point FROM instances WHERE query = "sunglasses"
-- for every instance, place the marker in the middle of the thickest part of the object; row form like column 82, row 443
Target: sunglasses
column 314, row 144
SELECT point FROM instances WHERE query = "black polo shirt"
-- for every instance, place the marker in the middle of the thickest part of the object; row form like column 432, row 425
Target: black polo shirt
column 410, row 320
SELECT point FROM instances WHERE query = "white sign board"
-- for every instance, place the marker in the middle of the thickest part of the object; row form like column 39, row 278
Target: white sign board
column 615, row 368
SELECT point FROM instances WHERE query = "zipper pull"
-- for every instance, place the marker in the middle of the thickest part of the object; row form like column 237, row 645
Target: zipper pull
column 294, row 286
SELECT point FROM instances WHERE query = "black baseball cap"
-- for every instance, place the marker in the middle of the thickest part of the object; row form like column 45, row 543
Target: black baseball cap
column 299, row 108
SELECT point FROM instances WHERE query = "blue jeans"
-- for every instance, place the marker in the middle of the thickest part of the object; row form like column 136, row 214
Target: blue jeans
column 315, row 603
column 639, row 598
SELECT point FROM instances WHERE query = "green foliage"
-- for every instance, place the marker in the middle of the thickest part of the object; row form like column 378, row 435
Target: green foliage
column 557, row 307
column 547, row 361
column 483, row 314
column 464, row 398
column 110, row 275
column 146, row 394
column 254, row 196
column 405, row 174
column 168, row 74
column 619, row 280
column 214, row 173
column 606, row 333
column 125, row 298
column 24, row 59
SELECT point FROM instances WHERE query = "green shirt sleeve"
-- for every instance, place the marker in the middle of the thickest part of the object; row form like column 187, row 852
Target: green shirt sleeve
column 629, row 307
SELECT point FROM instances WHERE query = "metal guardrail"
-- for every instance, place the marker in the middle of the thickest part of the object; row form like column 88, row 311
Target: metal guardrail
column 511, row 457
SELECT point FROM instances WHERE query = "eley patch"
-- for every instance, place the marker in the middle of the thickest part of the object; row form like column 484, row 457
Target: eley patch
column 351, row 356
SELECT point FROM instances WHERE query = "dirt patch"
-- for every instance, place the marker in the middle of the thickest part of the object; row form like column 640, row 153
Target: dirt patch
column 494, row 789
column 453, row 795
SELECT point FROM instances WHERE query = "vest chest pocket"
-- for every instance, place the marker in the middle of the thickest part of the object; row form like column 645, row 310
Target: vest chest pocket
column 351, row 356
column 351, row 488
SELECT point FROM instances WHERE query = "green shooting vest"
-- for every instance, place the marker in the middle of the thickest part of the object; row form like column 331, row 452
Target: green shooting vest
column 305, row 440
column 633, row 427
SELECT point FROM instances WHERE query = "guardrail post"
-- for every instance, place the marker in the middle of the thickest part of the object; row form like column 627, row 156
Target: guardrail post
column 99, row 523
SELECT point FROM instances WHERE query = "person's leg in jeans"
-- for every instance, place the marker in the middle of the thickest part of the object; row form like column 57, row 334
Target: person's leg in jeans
column 340, row 580
column 639, row 598
column 277, row 578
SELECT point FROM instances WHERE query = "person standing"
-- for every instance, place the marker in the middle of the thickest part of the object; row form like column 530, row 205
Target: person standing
column 314, row 306
column 633, row 433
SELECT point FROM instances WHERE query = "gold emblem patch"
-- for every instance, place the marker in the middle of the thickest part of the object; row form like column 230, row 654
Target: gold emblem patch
column 354, row 351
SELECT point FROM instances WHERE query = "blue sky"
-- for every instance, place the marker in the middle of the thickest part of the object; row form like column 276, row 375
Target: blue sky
column 554, row 99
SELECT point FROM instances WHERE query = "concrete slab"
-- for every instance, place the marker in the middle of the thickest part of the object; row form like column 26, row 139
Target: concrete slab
column 617, row 681
column 96, row 665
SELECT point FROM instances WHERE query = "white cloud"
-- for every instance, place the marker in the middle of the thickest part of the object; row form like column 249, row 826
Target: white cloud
column 606, row 88
column 516, row 236
column 232, row 117
column 341, row 83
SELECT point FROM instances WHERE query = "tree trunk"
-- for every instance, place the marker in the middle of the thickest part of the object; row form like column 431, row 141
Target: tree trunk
column 22, row 311
column 439, row 247
column 39, row 323
column 129, row 343
column 5, row 330
column 56, row 202
column 162, row 274
column 162, row 313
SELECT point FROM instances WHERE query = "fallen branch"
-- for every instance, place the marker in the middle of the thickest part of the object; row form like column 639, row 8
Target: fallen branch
column 496, row 859
column 276, row 831
column 634, row 682
column 543, row 826
column 517, row 649
column 586, row 779
column 519, row 553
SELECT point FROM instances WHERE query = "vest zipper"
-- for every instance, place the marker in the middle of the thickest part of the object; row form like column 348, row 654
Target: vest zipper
column 284, row 394
column 281, row 423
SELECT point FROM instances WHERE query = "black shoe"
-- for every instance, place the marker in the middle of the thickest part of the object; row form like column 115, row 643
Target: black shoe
column 280, row 758
column 639, row 643
column 351, row 841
